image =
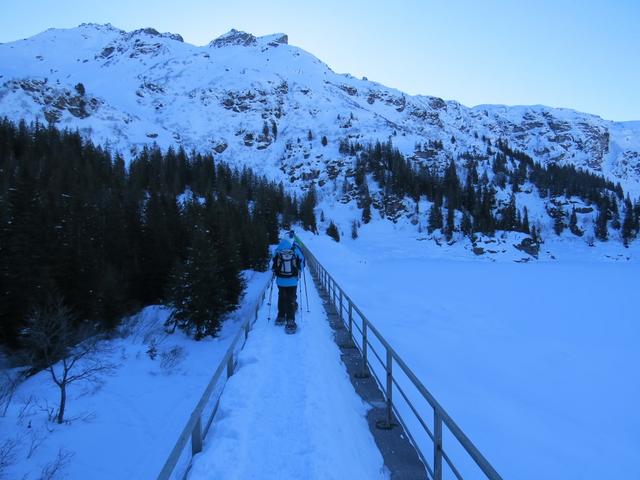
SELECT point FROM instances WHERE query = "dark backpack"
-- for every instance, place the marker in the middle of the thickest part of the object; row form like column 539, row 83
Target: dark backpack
column 286, row 264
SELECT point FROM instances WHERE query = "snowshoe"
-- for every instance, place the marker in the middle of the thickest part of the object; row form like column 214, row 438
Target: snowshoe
column 280, row 321
column 291, row 327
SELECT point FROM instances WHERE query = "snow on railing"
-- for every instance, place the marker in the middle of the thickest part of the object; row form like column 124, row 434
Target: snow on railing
column 354, row 319
column 207, row 406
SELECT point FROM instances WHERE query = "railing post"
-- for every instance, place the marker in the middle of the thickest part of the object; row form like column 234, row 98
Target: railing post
column 365, row 370
column 388, row 422
column 196, row 437
column 437, row 445
column 333, row 282
column 350, row 321
column 389, row 388
column 340, row 309
column 230, row 366
column 332, row 291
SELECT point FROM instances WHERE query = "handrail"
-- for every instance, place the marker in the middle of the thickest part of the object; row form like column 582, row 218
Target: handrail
column 440, row 416
column 193, row 428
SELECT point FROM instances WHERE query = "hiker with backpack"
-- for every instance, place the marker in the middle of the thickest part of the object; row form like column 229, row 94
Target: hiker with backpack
column 288, row 263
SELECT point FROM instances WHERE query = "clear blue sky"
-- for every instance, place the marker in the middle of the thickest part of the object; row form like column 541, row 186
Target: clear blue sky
column 578, row 54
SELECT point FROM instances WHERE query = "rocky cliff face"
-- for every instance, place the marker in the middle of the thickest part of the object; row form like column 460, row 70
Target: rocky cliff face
column 261, row 102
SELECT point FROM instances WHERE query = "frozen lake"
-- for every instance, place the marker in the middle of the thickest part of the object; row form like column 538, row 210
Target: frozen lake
column 537, row 362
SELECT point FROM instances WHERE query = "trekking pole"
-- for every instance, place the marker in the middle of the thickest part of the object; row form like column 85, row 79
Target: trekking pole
column 306, row 294
column 300, row 303
column 270, row 294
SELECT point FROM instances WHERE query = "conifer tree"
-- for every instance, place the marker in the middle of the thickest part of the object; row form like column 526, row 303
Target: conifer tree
column 307, row 207
column 600, row 228
column 558, row 221
column 628, row 224
column 197, row 291
column 450, row 225
column 466, row 226
column 525, row 221
column 509, row 215
column 366, row 212
column 435, row 220
column 573, row 223
column 75, row 221
column 332, row 231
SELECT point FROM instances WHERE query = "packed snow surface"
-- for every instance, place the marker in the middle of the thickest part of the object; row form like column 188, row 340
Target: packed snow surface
column 537, row 362
column 290, row 411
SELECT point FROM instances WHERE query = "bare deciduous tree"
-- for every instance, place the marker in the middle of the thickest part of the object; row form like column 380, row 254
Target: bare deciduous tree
column 7, row 455
column 69, row 350
column 9, row 381
column 57, row 466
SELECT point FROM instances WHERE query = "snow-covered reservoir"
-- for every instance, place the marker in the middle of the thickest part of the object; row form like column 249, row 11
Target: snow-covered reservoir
column 537, row 362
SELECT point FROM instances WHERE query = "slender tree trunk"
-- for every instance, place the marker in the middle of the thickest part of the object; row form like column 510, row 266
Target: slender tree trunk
column 63, row 402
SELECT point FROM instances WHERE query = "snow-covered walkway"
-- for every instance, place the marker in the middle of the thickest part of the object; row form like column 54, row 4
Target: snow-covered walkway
column 290, row 411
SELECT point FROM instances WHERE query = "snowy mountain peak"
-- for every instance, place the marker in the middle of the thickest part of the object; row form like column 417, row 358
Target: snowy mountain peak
column 234, row 37
column 239, row 38
column 99, row 27
column 276, row 38
column 108, row 28
column 152, row 32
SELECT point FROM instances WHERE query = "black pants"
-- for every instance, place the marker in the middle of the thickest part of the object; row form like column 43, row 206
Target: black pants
column 287, row 303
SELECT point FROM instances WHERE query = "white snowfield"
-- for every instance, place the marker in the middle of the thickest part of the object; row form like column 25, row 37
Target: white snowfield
column 290, row 411
column 143, row 87
column 536, row 362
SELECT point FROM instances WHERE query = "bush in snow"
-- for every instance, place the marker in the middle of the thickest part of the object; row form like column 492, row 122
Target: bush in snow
column 169, row 359
column 333, row 232
column 9, row 381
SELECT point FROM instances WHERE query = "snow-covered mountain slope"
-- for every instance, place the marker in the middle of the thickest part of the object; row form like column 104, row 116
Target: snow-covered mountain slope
column 262, row 102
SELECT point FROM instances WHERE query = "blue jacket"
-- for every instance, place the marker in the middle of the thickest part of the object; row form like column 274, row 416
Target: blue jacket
column 286, row 244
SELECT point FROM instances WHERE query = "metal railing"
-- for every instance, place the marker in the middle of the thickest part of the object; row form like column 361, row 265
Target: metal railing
column 194, row 430
column 354, row 319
